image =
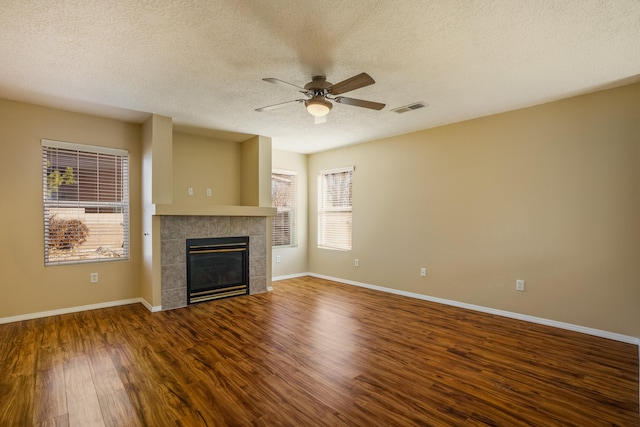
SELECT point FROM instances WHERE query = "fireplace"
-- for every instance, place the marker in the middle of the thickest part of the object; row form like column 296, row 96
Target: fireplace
column 217, row 267
column 176, row 229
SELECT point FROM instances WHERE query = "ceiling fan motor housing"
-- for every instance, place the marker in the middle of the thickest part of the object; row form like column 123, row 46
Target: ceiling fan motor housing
column 318, row 85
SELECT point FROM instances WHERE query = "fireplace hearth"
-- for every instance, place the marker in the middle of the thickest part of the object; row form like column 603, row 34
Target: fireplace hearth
column 217, row 267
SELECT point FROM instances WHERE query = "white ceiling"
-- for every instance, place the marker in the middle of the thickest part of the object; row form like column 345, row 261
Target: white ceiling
column 202, row 61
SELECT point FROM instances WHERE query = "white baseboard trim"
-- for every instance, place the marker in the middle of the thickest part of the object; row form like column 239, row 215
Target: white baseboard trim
column 285, row 277
column 290, row 276
column 151, row 308
column 68, row 310
column 518, row 316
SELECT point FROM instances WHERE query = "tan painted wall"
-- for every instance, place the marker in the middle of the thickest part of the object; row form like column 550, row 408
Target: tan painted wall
column 161, row 128
column 250, row 190
column 26, row 285
column 264, row 174
column 202, row 162
column 157, row 187
column 294, row 260
column 256, row 172
column 548, row 194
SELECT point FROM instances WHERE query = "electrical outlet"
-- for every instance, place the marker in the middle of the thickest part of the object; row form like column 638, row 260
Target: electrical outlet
column 356, row 262
column 94, row 277
column 519, row 285
column 423, row 271
column 277, row 258
column 190, row 191
column 208, row 192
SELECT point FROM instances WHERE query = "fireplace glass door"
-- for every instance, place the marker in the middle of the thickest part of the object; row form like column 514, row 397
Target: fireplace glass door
column 217, row 268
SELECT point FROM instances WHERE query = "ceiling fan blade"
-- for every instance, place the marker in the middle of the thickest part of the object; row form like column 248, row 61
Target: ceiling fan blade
column 282, row 83
column 359, row 103
column 353, row 83
column 275, row 106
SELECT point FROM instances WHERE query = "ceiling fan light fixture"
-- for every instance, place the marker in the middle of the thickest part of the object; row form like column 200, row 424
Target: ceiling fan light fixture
column 318, row 106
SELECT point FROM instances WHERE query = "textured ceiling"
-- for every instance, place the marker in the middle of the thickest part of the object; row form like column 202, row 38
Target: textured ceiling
column 201, row 62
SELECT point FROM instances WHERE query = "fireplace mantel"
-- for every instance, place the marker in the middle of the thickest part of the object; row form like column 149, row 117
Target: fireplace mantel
column 212, row 210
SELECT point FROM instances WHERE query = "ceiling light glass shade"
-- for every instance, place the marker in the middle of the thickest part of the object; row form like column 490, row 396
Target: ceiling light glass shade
column 318, row 106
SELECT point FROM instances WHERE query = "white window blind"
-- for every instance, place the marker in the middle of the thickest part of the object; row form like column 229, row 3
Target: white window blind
column 85, row 191
column 335, row 209
column 284, row 194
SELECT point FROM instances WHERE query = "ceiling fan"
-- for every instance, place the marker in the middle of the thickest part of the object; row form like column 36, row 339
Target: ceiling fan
column 319, row 92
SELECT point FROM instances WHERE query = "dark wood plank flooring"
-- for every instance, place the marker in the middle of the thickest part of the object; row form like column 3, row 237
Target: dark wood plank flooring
column 312, row 352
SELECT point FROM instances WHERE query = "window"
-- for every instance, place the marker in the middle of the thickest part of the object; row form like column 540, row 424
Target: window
column 283, row 197
column 335, row 209
column 85, row 190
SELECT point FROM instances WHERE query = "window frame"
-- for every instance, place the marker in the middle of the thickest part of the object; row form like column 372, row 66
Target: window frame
column 292, row 209
column 327, row 236
column 121, row 195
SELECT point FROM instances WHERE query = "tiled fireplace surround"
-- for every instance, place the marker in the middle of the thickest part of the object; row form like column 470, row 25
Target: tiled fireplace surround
column 175, row 230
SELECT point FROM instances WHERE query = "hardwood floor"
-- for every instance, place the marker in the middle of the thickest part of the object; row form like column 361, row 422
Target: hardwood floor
column 312, row 352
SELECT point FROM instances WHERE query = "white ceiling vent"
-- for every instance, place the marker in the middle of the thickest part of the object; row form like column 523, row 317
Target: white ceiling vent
column 410, row 107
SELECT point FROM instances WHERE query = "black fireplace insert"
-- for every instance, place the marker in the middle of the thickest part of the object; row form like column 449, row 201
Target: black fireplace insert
column 217, row 267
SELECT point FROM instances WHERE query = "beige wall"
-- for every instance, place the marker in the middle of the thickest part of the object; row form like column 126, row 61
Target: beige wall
column 256, row 172
column 548, row 194
column 158, row 148
column 27, row 286
column 235, row 171
column 294, row 260
column 157, row 187
column 202, row 162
